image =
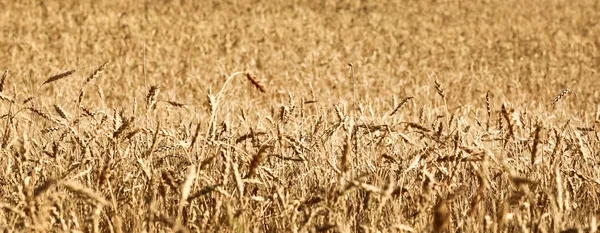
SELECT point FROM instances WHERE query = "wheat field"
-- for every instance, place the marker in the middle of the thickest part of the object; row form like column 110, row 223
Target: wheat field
column 300, row 116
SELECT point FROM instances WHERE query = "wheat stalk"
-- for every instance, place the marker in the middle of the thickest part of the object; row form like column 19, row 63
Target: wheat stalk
column 195, row 137
column 89, row 194
column 257, row 159
column 439, row 88
column 417, row 126
column 61, row 112
column 560, row 96
column 404, row 101
column 151, row 97
column 536, row 141
column 27, row 100
column 41, row 113
column 7, row 133
column 3, row 80
column 57, row 77
column 6, row 98
column 345, row 159
column 176, row 104
column 511, row 132
column 488, row 107
column 250, row 76
column 80, row 96
column 97, row 72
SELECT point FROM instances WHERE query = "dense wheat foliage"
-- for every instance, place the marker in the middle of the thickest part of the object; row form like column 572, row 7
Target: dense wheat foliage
column 299, row 116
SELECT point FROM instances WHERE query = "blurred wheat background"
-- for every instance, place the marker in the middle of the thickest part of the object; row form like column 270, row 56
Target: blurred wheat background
column 299, row 116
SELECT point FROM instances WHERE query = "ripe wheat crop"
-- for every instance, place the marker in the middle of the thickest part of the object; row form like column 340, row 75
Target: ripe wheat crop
column 299, row 116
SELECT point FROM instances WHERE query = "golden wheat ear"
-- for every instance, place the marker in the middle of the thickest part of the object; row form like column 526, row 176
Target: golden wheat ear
column 6, row 98
column 3, row 80
column 404, row 101
column 97, row 71
column 151, row 97
column 560, row 96
column 252, row 78
column 57, row 77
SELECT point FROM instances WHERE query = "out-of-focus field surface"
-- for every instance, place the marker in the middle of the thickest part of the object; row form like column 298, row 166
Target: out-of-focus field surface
column 454, row 116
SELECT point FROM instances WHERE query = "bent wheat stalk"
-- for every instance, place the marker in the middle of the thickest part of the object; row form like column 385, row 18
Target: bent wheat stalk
column 215, row 102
